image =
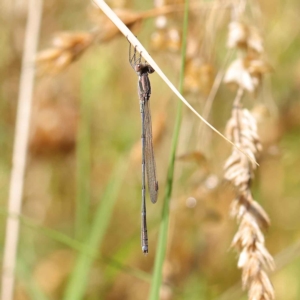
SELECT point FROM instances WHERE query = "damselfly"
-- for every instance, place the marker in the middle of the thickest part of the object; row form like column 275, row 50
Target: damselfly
column 148, row 160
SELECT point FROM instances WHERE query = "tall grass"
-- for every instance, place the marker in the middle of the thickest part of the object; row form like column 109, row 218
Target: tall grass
column 164, row 223
column 19, row 158
column 79, row 278
column 90, row 233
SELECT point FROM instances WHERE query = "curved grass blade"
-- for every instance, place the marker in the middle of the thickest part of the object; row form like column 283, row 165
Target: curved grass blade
column 134, row 41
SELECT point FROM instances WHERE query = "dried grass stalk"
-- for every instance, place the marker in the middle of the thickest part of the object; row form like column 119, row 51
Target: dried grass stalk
column 254, row 258
column 20, row 148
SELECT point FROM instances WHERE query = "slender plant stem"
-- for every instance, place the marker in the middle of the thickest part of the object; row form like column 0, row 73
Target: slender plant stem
column 77, row 284
column 164, row 224
column 20, row 147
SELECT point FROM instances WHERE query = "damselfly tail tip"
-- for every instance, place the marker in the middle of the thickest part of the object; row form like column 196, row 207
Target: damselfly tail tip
column 145, row 250
column 154, row 199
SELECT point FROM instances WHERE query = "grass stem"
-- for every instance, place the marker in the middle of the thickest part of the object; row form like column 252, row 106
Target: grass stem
column 76, row 287
column 164, row 224
column 20, row 147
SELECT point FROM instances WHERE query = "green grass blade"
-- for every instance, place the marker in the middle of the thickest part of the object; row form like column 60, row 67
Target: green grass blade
column 76, row 287
column 80, row 247
column 163, row 231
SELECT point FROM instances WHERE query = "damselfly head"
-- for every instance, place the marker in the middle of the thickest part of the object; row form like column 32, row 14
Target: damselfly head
column 143, row 68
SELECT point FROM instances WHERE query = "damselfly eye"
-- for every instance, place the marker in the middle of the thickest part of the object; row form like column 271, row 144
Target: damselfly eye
column 138, row 67
column 150, row 69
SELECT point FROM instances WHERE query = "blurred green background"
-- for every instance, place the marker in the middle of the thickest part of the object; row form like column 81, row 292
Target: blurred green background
column 83, row 177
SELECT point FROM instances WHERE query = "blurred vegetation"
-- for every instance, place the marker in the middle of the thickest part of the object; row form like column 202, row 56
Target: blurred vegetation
column 81, row 209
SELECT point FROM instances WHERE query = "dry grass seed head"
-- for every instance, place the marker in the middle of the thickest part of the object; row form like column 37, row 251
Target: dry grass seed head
column 67, row 47
column 242, row 130
column 245, row 73
column 242, row 36
column 249, row 239
column 261, row 288
column 239, row 76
